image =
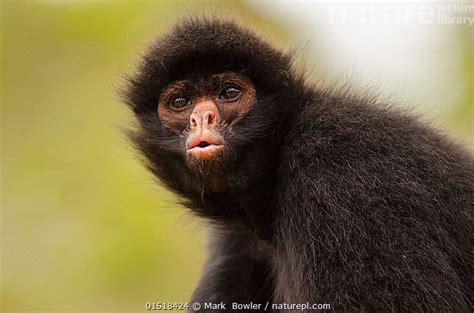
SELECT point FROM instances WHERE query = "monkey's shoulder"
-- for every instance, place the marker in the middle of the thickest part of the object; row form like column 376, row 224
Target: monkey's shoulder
column 351, row 127
column 363, row 146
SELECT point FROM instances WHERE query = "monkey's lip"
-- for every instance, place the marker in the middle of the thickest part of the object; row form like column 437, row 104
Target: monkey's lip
column 204, row 146
column 203, row 141
column 205, row 150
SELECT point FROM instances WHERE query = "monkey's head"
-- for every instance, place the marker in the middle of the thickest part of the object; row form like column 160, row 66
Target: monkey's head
column 210, row 99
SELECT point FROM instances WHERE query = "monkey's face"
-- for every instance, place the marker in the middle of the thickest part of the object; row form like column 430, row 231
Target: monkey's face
column 203, row 111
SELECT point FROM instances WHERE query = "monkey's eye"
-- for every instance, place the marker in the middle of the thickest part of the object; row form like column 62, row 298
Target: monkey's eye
column 179, row 103
column 230, row 93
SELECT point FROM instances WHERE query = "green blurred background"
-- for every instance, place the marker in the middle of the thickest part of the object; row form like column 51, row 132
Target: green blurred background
column 83, row 226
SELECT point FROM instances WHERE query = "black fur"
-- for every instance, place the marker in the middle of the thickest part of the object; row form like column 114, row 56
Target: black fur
column 330, row 197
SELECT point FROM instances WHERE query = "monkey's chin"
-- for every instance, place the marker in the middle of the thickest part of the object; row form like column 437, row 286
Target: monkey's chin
column 205, row 153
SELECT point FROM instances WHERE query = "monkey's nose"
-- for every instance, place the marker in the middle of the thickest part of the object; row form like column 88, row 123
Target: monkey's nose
column 205, row 114
column 205, row 119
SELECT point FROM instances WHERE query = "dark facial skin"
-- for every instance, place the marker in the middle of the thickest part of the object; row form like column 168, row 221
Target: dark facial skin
column 200, row 108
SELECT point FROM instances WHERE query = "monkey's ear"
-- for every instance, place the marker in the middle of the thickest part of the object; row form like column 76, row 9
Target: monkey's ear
column 200, row 46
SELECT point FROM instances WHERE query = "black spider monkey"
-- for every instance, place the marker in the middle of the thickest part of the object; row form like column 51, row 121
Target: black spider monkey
column 316, row 195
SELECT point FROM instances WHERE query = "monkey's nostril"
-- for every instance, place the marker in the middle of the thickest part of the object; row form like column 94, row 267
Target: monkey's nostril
column 210, row 117
column 193, row 121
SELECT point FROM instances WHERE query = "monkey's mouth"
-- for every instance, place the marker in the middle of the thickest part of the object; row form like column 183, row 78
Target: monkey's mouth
column 203, row 149
column 204, row 144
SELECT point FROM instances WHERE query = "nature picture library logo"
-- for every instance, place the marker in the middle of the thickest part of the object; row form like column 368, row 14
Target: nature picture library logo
column 458, row 13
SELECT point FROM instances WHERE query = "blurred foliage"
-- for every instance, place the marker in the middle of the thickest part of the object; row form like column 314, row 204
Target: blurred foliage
column 84, row 226
column 461, row 118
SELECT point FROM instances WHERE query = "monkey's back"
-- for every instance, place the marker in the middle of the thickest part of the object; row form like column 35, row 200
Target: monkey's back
column 387, row 202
